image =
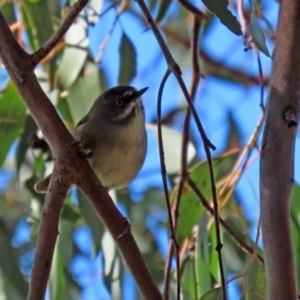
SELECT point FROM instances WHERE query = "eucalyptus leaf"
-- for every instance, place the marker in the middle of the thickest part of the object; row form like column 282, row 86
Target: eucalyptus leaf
column 92, row 219
column 189, row 279
column 15, row 283
column 70, row 213
column 128, row 61
column 37, row 20
column 57, row 280
column 220, row 8
column 12, row 117
column 215, row 294
column 74, row 55
column 258, row 36
column 163, row 7
column 7, row 9
column 172, row 140
column 256, row 283
column 28, row 130
column 84, row 92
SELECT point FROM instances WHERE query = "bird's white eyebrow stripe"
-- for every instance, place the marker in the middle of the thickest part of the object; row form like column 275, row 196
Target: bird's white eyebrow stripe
column 127, row 110
column 128, row 93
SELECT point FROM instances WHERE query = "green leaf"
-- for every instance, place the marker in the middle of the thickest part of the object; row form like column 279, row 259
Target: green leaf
column 28, row 130
column 191, row 208
column 164, row 5
column 92, row 219
column 57, row 280
column 189, row 280
column 295, row 226
column 64, row 109
column 12, row 116
column 7, row 9
column 15, row 283
column 214, row 261
column 215, row 294
column 172, row 137
column 256, row 281
column 84, row 92
column 37, row 20
column 219, row 7
column 127, row 60
column 70, row 213
column 202, row 257
column 74, row 55
column 258, row 36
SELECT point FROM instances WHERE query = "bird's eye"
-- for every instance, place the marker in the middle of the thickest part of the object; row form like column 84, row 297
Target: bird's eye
column 119, row 102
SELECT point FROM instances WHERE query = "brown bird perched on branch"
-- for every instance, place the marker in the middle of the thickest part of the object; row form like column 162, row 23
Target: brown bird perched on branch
column 113, row 137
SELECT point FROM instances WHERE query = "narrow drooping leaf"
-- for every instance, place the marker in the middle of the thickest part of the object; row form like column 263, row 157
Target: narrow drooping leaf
column 220, row 8
column 172, row 137
column 15, row 282
column 189, row 280
column 163, row 7
column 256, row 284
column 84, row 91
column 191, row 209
column 128, row 54
column 70, row 213
column 57, row 280
column 258, row 36
column 92, row 219
column 7, row 9
column 74, row 55
column 37, row 21
column 28, row 130
column 12, row 116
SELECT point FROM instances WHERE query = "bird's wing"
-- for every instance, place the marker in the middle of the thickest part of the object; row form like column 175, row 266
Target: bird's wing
column 81, row 122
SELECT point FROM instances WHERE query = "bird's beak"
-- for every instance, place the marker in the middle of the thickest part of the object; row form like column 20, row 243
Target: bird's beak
column 141, row 92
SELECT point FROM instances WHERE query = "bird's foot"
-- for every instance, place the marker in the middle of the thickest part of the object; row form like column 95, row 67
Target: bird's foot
column 84, row 152
column 81, row 150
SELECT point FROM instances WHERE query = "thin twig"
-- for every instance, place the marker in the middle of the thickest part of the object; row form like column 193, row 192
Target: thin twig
column 108, row 36
column 73, row 12
column 167, row 271
column 164, row 179
column 216, row 217
column 261, row 76
column 175, row 69
column 194, row 84
column 248, row 40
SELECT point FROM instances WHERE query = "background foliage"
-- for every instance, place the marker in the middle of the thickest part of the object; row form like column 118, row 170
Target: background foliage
column 111, row 44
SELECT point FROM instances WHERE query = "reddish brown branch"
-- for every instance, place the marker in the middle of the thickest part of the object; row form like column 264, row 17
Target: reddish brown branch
column 185, row 140
column 173, row 240
column 20, row 67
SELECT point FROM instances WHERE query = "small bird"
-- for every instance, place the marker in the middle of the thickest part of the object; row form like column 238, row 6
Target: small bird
column 113, row 137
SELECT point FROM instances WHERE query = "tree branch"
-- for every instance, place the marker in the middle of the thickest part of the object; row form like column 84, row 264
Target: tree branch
column 277, row 157
column 20, row 67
